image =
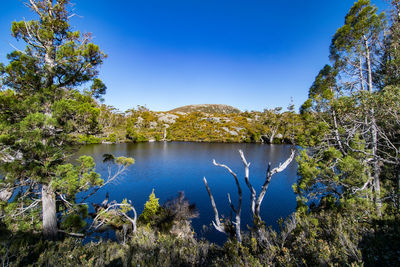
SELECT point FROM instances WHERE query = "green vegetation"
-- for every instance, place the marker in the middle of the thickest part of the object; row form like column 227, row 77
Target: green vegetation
column 151, row 208
column 40, row 113
column 197, row 125
column 348, row 192
column 206, row 108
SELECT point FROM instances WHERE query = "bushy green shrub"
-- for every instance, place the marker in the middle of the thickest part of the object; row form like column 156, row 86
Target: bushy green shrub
column 88, row 139
column 151, row 207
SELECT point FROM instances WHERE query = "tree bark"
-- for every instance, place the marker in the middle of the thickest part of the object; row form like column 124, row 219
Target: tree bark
column 337, row 135
column 398, row 190
column 272, row 136
column 217, row 223
column 49, row 213
column 360, row 69
column 374, row 135
column 239, row 208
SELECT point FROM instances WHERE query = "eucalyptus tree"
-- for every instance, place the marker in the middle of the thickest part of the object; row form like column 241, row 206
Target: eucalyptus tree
column 352, row 51
column 41, row 108
column 273, row 121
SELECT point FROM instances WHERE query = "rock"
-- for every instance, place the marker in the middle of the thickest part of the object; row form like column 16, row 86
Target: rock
column 207, row 108
column 153, row 124
column 226, row 129
column 5, row 194
column 213, row 119
column 139, row 121
column 168, row 118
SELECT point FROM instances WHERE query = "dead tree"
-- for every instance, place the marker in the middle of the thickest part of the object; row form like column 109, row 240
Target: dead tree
column 217, row 224
column 114, row 215
column 255, row 201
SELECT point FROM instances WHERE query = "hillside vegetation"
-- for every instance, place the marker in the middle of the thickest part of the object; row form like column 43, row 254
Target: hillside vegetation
column 216, row 123
column 207, row 108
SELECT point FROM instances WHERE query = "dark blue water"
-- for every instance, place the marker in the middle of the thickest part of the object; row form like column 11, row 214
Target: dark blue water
column 170, row 167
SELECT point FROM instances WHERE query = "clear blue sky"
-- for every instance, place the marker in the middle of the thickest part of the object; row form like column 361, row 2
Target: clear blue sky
column 252, row 54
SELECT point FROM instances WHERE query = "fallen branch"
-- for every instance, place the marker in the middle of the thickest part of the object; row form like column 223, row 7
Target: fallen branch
column 71, row 234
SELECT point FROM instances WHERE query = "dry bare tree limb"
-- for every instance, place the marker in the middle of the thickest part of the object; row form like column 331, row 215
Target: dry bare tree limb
column 230, row 203
column 247, row 180
column 110, row 179
column 24, row 209
column 95, row 224
column 255, row 202
column 270, row 173
column 239, row 208
column 71, row 234
column 69, row 204
column 363, row 187
column 290, row 225
column 217, row 223
column 133, row 221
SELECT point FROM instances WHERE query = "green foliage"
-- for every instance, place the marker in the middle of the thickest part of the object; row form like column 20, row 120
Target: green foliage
column 73, row 179
column 115, row 215
column 112, row 138
column 124, row 161
column 75, row 220
column 132, row 134
column 151, row 207
column 88, row 139
column 42, row 113
column 142, row 125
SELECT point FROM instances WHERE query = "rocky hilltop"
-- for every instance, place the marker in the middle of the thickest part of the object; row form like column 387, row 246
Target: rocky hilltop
column 207, row 108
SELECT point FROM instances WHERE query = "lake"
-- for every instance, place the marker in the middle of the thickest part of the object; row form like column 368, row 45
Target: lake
column 171, row 167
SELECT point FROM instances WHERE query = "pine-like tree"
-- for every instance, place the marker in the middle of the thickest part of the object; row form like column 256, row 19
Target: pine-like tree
column 41, row 108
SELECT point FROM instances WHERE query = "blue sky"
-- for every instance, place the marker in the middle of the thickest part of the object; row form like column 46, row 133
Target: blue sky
column 252, row 54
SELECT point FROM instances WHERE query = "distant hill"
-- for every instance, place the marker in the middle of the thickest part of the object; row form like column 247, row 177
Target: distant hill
column 207, row 108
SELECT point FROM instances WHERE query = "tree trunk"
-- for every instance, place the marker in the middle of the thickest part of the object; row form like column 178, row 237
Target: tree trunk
column 165, row 134
column 337, row 135
column 49, row 213
column 272, row 136
column 398, row 190
column 374, row 135
column 360, row 69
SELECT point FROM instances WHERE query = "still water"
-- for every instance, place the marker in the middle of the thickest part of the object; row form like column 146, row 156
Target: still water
column 171, row 167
